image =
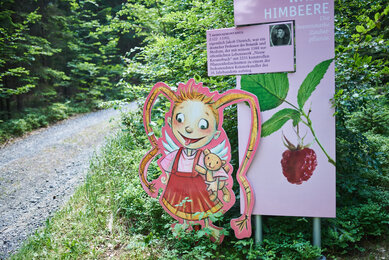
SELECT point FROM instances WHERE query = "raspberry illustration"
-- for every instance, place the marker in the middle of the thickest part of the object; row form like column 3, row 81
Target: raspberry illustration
column 298, row 163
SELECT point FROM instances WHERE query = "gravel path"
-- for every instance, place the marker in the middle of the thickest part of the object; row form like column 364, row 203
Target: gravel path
column 40, row 172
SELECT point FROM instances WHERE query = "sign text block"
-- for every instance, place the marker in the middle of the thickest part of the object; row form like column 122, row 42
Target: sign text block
column 251, row 49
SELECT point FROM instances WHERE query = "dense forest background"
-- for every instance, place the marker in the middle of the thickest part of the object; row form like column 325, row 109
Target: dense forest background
column 59, row 58
column 65, row 56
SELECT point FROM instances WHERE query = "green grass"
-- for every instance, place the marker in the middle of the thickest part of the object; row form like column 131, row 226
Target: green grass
column 90, row 225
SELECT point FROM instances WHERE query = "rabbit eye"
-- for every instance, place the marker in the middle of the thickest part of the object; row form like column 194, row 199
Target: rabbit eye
column 203, row 124
column 180, row 117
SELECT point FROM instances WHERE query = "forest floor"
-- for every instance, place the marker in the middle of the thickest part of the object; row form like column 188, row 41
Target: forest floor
column 39, row 173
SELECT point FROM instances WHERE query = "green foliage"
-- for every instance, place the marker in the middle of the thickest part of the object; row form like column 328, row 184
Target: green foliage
column 53, row 51
column 361, row 110
column 175, row 41
column 272, row 88
column 96, row 65
column 191, row 242
column 33, row 118
column 22, row 49
column 311, row 81
column 287, row 248
column 355, row 224
column 372, row 118
column 278, row 120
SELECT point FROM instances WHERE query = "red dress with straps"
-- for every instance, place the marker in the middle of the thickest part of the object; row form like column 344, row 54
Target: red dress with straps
column 188, row 185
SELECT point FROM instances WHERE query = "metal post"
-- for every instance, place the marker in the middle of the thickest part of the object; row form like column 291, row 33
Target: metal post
column 258, row 229
column 316, row 232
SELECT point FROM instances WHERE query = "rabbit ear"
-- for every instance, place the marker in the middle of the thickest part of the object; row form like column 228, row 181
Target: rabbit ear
column 159, row 88
column 224, row 162
column 242, row 225
column 207, row 151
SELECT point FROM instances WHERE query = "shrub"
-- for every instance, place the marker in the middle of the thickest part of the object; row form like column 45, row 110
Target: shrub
column 33, row 118
column 18, row 126
column 56, row 112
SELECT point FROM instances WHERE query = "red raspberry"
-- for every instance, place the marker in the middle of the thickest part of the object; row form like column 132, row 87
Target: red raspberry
column 298, row 164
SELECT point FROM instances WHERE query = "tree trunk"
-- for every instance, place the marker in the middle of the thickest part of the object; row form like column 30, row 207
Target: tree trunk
column 65, row 92
column 7, row 100
column 19, row 102
column 8, row 104
column 2, row 108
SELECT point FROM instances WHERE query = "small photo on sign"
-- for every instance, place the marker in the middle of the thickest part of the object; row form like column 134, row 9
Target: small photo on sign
column 280, row 34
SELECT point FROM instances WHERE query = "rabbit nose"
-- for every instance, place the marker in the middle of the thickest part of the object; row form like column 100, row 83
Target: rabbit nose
column 188, row 129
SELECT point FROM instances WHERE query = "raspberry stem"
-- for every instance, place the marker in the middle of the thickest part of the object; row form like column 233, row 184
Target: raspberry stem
column 309, row 124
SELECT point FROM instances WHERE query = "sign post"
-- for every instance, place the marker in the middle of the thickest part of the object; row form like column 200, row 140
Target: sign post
column 317, row 232
column 258, row 229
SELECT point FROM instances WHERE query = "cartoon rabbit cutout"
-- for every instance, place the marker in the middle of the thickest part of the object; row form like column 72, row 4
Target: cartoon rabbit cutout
column 193, row 130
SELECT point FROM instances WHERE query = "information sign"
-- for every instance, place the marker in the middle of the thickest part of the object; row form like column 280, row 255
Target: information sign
column 251, row 49
column 293, row 172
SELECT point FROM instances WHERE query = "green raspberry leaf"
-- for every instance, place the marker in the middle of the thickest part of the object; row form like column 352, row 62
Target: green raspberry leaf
column 271, row 89
column 279, row 119
column 360, row 29
column 311, row 81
